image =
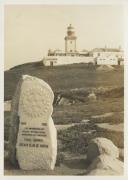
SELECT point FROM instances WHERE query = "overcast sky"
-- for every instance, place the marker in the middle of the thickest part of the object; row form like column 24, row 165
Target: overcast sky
column 30, row 30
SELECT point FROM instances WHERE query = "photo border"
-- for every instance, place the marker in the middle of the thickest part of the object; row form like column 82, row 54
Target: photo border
column 65, row 2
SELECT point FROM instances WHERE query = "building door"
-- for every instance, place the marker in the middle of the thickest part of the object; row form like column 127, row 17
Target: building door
column 51, row 63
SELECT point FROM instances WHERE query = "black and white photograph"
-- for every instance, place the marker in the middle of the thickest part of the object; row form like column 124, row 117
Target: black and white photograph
column 64, row 89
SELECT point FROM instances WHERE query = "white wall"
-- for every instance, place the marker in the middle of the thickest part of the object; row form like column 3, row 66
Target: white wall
column 122, row 63
column 107, row 60
column 63, row 60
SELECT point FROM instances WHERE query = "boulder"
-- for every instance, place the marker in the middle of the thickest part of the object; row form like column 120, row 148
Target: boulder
column 92, row 97
column 105, row 165
column 35, row 143
column 100, row 146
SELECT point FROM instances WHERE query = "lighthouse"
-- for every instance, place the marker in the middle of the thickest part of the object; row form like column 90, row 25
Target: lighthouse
column 70, row 40
column 70, row 55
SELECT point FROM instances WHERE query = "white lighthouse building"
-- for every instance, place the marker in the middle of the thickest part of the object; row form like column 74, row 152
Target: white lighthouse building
column 70, row 55
column 70, row 40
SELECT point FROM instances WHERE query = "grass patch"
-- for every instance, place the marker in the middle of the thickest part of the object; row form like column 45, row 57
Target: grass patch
column 75, row 113
column 63, row 77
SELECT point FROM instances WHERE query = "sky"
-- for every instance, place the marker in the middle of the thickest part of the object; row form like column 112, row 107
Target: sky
column 30, row 30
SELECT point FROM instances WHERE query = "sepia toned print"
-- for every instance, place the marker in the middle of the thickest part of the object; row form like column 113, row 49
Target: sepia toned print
column 64, row 90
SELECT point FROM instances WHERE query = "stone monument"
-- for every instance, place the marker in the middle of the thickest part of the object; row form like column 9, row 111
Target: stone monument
column 36, row 142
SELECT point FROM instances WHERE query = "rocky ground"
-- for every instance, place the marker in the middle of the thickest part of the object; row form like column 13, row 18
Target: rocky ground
column 80, row 114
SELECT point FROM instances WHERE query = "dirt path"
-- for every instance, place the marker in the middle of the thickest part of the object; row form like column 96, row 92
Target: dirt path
column 114, row 127
column 65, row 126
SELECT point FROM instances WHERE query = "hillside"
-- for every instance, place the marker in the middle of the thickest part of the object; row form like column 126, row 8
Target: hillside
column 77, row 118
column 63, row 77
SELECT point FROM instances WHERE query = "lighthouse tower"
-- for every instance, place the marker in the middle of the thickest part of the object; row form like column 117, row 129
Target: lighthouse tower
column 70, row 40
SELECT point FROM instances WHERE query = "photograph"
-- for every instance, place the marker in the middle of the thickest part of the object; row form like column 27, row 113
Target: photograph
column 64, row 89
